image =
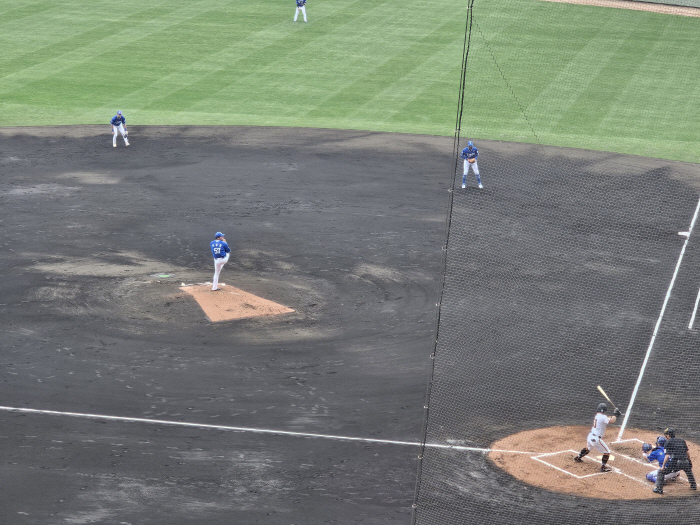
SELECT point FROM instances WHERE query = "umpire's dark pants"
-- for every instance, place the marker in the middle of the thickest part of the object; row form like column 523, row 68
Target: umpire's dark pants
column 675, row 465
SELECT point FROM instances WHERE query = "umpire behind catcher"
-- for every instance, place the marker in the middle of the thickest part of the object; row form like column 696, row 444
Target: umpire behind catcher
column 676, row 458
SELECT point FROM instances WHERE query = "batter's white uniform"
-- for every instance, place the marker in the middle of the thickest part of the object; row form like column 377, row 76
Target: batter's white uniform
column 594, row 441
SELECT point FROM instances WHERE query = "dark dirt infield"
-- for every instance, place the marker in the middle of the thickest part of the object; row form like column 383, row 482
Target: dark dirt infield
column 344, row 227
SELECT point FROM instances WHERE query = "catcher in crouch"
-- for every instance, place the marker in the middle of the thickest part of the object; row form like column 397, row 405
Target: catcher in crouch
column 657, row 453
column 595, row 436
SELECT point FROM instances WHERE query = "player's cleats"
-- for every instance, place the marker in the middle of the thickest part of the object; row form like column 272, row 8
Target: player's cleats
column 605, row 468
column 578, row 459
column 464, row 186
column 658, row 490
column 114, row 145
column 481, row 187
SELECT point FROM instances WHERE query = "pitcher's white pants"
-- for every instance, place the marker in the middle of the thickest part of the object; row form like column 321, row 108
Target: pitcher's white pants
column 218, row 265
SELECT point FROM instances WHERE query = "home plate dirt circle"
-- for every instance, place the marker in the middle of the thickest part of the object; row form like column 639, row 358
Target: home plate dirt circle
column 544, row 458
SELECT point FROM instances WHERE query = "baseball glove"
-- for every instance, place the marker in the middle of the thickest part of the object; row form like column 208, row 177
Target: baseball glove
column 472, row 161
column 646, row 448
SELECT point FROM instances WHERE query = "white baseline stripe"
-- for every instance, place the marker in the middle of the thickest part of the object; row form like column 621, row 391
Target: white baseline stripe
column 255, row 430
column 695, row 311
column 658, row 323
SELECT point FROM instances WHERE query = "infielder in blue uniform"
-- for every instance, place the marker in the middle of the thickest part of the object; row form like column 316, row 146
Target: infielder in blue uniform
column 119, row 124
column 220, row 251
column 301, row 6
column 657, row 453
column 470, row 154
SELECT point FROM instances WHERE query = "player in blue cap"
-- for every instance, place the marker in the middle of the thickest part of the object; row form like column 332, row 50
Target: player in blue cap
column 220, row 251
column 470, row 154
column 119, row 124
column 657, row 453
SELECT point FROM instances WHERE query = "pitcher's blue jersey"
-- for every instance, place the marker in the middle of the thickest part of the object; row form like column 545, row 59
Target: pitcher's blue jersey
column 470, row 153
column 219, row 249
column 117, row 119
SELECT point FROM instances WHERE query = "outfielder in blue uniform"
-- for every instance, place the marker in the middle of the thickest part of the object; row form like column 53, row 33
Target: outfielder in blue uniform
column 657, row 453
column 470, row 154
column 301, row 6
column 220, row 251
column 119, row 124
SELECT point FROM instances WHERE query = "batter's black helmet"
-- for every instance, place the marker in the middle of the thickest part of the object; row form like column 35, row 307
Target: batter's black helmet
column 602, row 408
column 670, row 432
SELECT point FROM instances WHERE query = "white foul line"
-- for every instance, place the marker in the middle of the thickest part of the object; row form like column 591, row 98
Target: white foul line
column 658, row 323
column 695, row 311
column 256, row 430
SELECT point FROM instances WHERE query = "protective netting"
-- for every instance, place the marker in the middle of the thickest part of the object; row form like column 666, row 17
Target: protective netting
column 569, row 269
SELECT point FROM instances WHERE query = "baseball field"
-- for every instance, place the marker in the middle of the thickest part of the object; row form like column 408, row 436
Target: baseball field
column 388, row 347
column 558, row 74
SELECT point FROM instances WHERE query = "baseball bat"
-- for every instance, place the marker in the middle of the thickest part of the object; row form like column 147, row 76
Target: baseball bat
column 600, row 388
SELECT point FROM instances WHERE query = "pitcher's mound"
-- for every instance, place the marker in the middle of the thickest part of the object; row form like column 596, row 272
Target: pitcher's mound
column 230, row 303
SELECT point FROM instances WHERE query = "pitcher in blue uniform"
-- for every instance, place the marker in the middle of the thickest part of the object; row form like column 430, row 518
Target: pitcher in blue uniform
column 220, row 251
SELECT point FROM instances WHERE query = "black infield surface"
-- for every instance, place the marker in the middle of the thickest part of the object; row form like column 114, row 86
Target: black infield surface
column 348, row 229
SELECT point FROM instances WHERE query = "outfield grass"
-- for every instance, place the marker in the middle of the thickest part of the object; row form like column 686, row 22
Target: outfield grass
column 596, row 78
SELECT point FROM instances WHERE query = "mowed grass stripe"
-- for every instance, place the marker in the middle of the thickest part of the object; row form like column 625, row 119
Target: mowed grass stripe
column 106, row 47
column 287, row 63
column 197, row 73
column 587, row 79
column 238, row 72
column 413, row 97
column 580, row 76
column 664, row 87
column 373, row 74
column 582, row 69
column 21, row 10
column 58, row 46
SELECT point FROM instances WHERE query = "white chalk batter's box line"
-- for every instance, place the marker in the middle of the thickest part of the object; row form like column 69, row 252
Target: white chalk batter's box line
column 615, row 470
